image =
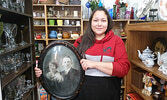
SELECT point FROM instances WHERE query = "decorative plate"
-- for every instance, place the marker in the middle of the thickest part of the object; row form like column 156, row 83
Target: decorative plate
column 62, row 73
column 159, row 45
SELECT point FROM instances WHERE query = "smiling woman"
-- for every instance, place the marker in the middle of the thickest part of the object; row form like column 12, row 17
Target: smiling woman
column 105, row 58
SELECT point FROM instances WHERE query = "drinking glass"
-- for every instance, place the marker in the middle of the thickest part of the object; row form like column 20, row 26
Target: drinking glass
column 23, row 28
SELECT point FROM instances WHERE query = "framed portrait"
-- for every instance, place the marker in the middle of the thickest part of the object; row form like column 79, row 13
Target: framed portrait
column 62, row 74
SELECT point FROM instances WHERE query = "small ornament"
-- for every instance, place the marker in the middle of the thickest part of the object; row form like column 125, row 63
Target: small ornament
column 88, row 6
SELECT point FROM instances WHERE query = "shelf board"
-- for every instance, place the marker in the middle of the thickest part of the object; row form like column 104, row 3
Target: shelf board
column 39, row 25
column 148, row 26
column 12, row 75
column 62, row 26
column 6, row 12
column 120, row 20
column 139, row 91
column 154, row 70
column 40, row 39
column 38, row 18
column 123, row 87
column 15, row 49
column 75, row 18
column 62, row 5
column 63, row 39
column 38, row 5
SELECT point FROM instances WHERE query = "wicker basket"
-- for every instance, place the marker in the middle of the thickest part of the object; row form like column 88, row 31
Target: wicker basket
column 137, row 77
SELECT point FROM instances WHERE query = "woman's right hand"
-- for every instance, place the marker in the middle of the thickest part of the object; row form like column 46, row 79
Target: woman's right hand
column 38, row 72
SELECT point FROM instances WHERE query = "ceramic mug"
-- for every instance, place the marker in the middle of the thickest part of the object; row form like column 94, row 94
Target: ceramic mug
column 59, row 22
column 51, row 22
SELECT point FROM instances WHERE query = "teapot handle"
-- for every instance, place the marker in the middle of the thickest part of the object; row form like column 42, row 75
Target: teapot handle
column 154, row 55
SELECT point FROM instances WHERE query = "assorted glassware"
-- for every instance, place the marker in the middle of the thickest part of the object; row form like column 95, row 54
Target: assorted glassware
column 15, row 5
column 8, row 34
column 18, row 87
column 12, row 62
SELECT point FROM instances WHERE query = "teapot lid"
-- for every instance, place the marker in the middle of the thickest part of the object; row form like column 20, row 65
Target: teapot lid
column 147, row 50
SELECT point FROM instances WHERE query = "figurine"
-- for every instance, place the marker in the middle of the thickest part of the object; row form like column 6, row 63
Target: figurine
column 149, row 81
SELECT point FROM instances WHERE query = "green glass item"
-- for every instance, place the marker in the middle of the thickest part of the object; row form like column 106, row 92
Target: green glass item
column 114, row 12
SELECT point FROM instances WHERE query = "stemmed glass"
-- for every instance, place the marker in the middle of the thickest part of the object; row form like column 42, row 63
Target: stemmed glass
column 10, row 34
column 22, row 32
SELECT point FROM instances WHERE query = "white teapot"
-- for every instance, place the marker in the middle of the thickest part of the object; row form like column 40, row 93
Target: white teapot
column 162, row 62
column 147, row 53
column 149, row 62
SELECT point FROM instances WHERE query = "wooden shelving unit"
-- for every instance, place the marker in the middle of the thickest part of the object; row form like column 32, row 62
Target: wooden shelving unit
column 26, row 69
column 141, row 35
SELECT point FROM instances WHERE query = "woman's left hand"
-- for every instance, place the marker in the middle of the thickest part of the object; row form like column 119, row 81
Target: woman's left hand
column 87, row 64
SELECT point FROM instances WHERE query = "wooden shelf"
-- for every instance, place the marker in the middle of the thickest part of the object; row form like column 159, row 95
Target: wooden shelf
column 62, row 5
column 122, row 20
column 63, row 26
column 12, row 75
column 63, row 39
column 15, row 49
column 65, row 18
column 139, row 91
column 154, row 70
column 149, row 26
column 5, row 12
column 39, row 26
column 40, row 39
column 36, row 18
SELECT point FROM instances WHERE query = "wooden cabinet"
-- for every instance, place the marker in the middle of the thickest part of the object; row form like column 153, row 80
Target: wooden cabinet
column 17, row 61
column 70, row 15
column 141, row 35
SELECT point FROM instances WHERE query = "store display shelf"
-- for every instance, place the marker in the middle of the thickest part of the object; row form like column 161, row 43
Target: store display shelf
column 12, row 75
column 148, row 26
column 6, row 51
column 154, row 70
column 139, row 91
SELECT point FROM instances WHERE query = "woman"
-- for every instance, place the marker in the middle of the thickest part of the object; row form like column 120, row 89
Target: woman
column 105, row 62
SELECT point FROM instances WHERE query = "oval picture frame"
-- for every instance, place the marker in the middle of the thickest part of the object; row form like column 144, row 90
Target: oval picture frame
column 62, row 74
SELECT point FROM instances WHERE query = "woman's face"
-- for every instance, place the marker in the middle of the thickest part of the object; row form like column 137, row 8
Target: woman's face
column 52, row 67
column 99, row 24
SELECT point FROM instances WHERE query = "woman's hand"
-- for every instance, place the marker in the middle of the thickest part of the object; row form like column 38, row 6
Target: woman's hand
column 87, row 64
column 38, row 72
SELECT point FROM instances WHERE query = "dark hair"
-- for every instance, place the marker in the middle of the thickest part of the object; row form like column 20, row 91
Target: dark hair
column 88, row 38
